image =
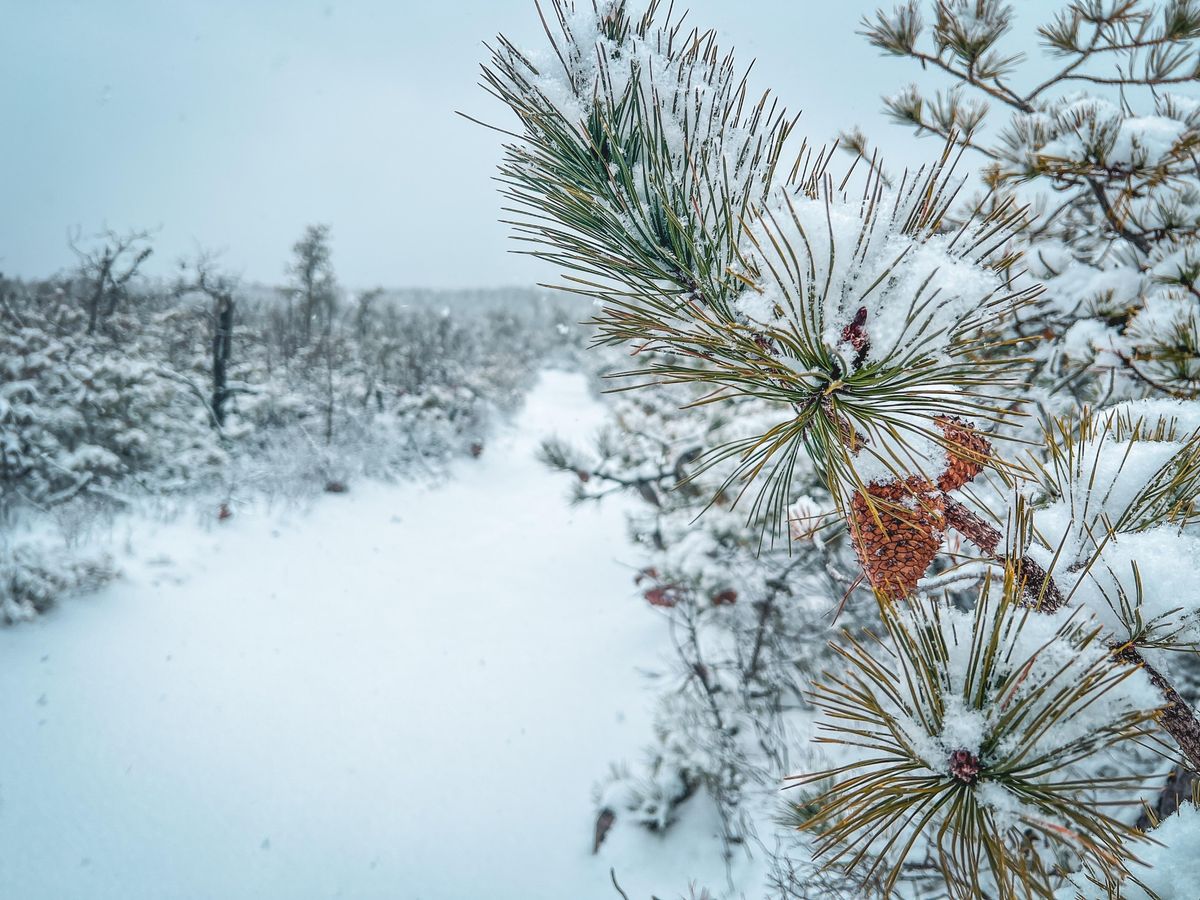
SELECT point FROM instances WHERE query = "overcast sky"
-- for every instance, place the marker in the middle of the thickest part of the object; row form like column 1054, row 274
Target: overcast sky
column 230, row 124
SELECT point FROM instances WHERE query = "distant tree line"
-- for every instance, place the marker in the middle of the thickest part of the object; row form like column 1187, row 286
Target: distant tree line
column 114, row 385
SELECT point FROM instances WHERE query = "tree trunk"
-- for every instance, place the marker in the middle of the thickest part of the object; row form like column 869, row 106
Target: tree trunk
column 98, row 293
column 222, row 346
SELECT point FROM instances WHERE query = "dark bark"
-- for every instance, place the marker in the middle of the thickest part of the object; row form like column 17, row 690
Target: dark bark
column 98, row 293
column 222, row 347
column 1177, row 717
column 1179, row 789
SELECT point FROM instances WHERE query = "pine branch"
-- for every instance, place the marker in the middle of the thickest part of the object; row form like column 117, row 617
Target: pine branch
column 1169, row 50
column 896, row 705
column 1177, row 717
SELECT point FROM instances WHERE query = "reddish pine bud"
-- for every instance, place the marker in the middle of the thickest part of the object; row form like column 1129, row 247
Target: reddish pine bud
column 965, row 766
column 855, row 334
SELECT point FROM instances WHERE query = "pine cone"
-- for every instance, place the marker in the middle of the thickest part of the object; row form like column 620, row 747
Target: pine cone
column 965, row 453
column 896, row 556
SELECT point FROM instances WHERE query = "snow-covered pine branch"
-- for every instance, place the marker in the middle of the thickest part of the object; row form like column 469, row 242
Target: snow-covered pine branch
column 875, row 354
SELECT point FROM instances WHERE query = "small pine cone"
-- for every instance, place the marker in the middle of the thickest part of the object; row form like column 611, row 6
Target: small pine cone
column 965, row 453
column 979, row 532
column 896, row 556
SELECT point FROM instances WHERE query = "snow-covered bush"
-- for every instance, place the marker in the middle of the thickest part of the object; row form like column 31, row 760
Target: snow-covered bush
column 33, row 578
column 747, row 620
column 84, row 414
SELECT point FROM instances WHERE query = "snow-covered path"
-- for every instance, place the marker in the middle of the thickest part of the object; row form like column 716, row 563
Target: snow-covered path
column 405, row 692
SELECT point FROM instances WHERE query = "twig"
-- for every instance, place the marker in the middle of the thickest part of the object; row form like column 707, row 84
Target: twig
column 612, row 873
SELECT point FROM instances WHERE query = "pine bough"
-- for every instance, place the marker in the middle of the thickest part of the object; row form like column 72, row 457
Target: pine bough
column 977, row 401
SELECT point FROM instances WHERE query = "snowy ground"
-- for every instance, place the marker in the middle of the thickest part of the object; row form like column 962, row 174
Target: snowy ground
column 404, row 692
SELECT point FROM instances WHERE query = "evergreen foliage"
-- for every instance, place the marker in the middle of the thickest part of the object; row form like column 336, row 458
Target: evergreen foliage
column 964, row 397
column 1105, row 147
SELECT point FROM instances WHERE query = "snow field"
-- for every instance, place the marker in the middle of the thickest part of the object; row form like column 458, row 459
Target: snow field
column 403, row 692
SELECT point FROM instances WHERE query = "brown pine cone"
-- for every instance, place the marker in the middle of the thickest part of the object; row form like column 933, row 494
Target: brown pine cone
column 965, row 452
column 895, row 556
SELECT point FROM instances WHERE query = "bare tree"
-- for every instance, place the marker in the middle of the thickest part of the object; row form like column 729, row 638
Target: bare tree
column 106, row 269
column 202, row 276
column 313, row 281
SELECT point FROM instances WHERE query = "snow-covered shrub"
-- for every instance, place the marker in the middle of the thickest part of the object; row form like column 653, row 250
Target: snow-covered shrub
column 85, row 414
column 33, row 578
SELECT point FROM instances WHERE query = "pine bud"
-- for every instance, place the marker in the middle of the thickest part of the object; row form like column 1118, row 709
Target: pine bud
column 965, row 766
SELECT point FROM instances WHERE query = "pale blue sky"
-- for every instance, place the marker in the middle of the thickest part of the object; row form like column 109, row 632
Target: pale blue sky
column 233, row 123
